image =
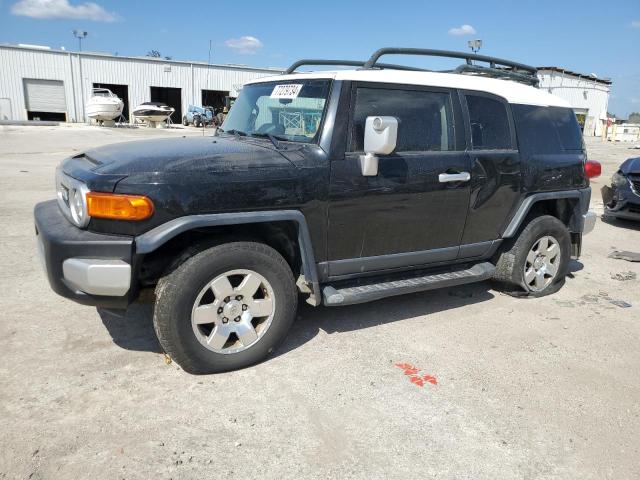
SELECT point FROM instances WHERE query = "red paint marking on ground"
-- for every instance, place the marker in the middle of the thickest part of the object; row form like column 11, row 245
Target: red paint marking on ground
column 412, row 373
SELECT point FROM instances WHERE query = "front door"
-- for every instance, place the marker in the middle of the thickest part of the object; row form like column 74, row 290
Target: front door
column 411, row 213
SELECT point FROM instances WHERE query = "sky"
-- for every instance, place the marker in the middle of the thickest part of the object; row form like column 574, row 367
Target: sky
column 587, row 36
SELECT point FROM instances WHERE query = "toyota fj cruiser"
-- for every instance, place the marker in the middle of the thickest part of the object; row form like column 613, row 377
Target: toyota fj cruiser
column 346, row 186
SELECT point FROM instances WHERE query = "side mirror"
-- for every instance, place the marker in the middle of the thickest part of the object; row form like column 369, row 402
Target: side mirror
column 380, row 137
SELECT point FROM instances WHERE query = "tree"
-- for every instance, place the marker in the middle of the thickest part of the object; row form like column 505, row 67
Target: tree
column 634, row 117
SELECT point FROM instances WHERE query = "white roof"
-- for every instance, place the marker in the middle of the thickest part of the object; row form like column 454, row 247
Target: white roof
column 513, row 92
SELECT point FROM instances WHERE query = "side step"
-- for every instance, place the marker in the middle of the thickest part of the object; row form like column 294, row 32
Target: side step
column 375, row 291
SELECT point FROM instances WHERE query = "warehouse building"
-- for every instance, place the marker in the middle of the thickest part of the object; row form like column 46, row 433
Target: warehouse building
column 587, row 94
column 39, row 83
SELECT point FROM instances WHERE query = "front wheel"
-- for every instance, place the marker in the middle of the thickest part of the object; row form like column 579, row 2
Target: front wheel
column 536, row 263
column 225, row 308
column 185, row 122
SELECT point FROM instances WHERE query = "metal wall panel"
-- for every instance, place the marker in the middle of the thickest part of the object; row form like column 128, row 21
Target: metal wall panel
column 79, row 71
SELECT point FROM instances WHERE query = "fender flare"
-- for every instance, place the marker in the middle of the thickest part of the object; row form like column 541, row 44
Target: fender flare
column 156, row 237
column 583, row 196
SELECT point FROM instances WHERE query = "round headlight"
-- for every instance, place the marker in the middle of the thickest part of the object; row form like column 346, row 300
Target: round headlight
column 76, row 204
column 619, row 180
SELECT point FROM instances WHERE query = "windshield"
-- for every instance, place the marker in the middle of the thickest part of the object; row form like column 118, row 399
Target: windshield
column 287, row 110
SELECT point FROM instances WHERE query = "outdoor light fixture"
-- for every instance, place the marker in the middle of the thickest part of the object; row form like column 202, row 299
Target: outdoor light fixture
column 80, row 35
column 475, row 45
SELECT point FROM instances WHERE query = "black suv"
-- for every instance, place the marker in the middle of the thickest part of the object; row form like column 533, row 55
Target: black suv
column 344, row 186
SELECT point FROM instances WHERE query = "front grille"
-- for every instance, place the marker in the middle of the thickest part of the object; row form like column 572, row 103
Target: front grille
column 635, row 185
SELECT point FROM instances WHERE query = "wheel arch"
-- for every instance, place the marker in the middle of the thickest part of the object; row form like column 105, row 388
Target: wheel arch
column 567, row 206
column 284, row 230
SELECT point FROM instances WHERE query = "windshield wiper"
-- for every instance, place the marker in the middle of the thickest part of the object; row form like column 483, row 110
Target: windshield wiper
column 273, row 138
column 233, row 131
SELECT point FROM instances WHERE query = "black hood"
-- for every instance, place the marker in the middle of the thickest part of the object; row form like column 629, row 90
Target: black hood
column 185, row 154
column 631, row 165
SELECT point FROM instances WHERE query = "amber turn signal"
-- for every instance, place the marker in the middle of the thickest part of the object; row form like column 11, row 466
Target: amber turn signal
column 119, row 207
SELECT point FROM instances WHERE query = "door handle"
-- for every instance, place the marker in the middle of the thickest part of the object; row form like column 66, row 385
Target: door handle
column 454, row 177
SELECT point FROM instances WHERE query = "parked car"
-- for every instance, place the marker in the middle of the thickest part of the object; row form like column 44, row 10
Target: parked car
column 197, row 116
column 622, row 198
column 345, row 186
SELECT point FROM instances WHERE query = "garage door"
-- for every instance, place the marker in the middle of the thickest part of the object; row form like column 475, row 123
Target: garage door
column 44, row 96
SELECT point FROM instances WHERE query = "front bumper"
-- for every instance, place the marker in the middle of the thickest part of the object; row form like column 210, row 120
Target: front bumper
column 621, row 203
column 89, row 268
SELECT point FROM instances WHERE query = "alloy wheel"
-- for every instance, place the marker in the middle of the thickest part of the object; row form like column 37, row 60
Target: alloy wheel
column 233, row 311
column 542, row 264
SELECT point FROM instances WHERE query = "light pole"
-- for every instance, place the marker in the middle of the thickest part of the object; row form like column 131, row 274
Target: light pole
column 80, row 35
column 475, row 45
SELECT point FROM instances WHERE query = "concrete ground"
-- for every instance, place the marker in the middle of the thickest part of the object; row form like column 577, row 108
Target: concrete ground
column 505, row 388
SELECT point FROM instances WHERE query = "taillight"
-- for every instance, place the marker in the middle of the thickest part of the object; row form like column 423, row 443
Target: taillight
column 592, row 169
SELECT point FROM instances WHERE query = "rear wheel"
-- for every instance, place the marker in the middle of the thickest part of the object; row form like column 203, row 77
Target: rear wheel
column 185, row 122
column 197, row 121
column 535, row 263
column 225, row 308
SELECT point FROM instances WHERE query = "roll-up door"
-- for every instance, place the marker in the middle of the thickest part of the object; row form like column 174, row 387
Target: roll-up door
column 44, row 96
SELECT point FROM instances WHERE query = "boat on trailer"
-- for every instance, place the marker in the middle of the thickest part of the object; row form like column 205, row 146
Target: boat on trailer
column 104, row 105
column 152, row 112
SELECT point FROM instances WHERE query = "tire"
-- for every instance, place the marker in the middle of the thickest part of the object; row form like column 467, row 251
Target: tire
column 197, row 122
column 185, row 297
column 185, row 122
column 525, row 268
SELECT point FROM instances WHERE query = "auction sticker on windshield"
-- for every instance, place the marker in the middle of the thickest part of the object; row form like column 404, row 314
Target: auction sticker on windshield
column 286, row 91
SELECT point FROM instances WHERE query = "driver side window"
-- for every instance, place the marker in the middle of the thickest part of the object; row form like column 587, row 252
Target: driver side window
column 425, row 119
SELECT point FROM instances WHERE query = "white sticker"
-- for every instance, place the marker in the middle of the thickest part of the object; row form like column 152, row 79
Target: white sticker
column 286, row 91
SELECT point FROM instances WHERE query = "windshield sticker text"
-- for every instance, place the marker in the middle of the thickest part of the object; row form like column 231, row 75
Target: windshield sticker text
column 286, row 91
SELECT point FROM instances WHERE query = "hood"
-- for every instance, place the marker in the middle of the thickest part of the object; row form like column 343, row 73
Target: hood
column 631, row 165
column 185, row 154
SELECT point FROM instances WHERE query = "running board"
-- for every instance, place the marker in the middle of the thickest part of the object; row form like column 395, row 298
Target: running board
column 375, row 291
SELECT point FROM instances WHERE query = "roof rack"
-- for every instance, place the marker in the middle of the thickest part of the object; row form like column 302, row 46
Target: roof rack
column 498, row 67
column 349, row 63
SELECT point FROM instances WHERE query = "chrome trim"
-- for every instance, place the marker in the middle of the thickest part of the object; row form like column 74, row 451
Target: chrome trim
column 589, row 222
column 454, row 177
column 97, row 276
column 64, row 181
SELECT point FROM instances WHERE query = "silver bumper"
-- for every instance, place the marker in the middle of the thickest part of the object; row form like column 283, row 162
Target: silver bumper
column 97, row 276
column 589, row 222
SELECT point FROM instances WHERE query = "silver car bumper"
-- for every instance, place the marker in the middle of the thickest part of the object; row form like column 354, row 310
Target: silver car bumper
column 97, row 276
column 589, row 222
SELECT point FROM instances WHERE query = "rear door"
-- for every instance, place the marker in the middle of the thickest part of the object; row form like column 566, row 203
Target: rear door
column 495, row 171
column 409, row 214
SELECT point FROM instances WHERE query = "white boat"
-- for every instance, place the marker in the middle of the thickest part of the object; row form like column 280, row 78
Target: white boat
column 152, row 112
column 104, row 105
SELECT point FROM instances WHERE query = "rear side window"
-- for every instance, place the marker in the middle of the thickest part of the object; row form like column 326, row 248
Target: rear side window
column 489, row 123
column 425, row 119
column 547, row 130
